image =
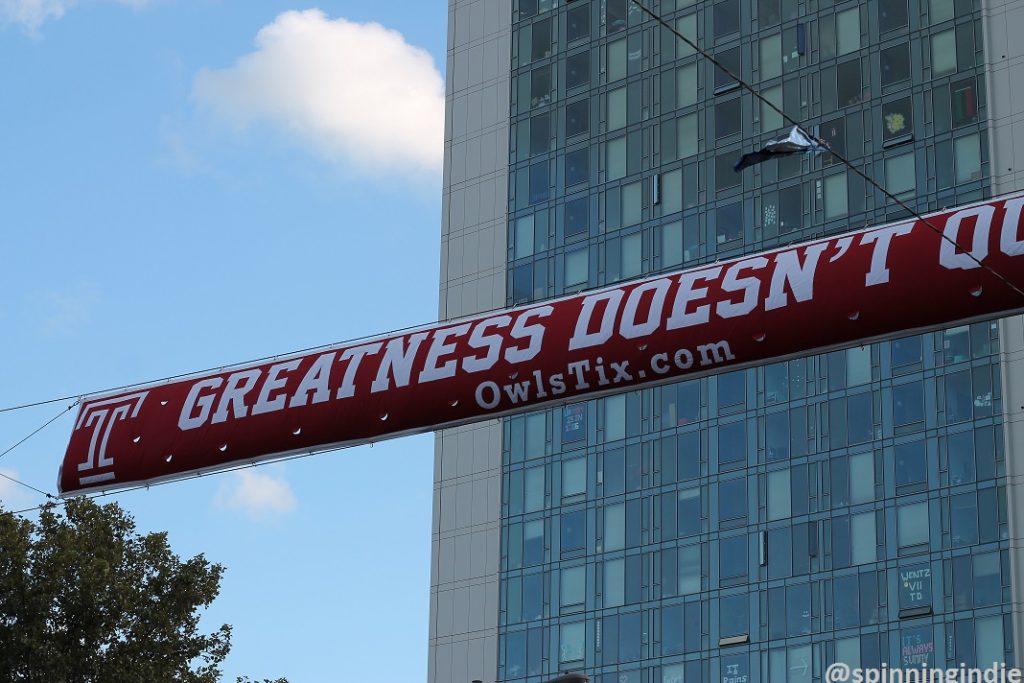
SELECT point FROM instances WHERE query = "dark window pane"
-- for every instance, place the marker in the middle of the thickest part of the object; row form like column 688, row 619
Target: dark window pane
column 672, row 630
column 911, row 463
column 689, row 512
column 906, row 351
column 964, row 102
column 958, row 397
column 577, row 118
column 733, row 556
column 892, row 14
column 780, row 553
column 578, row 23
column 729, row 228
column 732, row 444
column 833, row 133
column 776, row 436
column 522, row 282
column 630, row 637
column 533, row 597
column 731, row 60
column 732, row 499
column 541, row 40
column 846, row 600
column 727, row 17
column 689, row 456
column 963, row 519
column 987, row 582
column 540, row 134
column 895, row 63
column 859, row 424
column 897, row 118
column 615, row 15
column 798, row 609
column 539, row 185
column 576, row 216
column 769, row 13
column 577, row 166
column 731, row 385
column 727, row 118
column 540, row 86
column 577, row 69
column 908, row 403
column 734, row 615
column 790, row 209
column 960, row 451
column 848, row 86
column 614, row 472
column 725, row 177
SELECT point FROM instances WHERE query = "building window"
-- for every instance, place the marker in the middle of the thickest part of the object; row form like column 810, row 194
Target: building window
column 911, row 464
column 967, row 158
column 862, row 478
column 571, row 642
column 770, row 51
column 848, row 82
column 770, row 118
column 729, row 221
column 577, row 166
column 617, row 60
column 892, row 14
column 835, row 196
column 895, row 64
column 573, row 588
column 900, row 173
column 533, row 543
column 686, row 85
column 577, row 23
column 726, row 18
column 615, row 162
column 686, row 26
column 912, row 525
column 577, row 118
column 848, row 31
column 733, row 557
column 963, row 519
column 908, row 403
column 779, row 496
column 732, row 445
column 731, row 59
column 614, row 583
column 897, row 119
column 617, row 109
column 577, row 70
column 862, row 538
column 574, row 531
column 614, row 527
column 576, row 267
column 687, row 136
column 732, row 499
column 689, row 569
column 574, row 477
column 943, row 53
column 576, row 216
column 727, row 118
column 690, row 512
column 733, row 615
column 540, row 86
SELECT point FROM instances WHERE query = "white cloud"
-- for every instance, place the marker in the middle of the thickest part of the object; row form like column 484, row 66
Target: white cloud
column 12, row 496
column 355, row 93
column 259, row 495
column 31, row 14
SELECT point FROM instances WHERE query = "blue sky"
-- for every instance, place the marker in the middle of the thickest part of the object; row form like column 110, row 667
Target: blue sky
column 190, row 184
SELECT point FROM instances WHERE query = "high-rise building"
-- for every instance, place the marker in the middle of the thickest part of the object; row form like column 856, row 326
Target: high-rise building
column 757, row 525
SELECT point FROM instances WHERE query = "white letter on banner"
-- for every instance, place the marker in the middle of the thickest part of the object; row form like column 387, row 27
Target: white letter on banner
column 750, row 285
column 495, row 395
column 948, row 256
column 264, row 404
column 1008, row 242
column 397, row 362
column 314, row 382
column 493, row 342
column 629, row 328
column 233, row 399
column 686, row 294
column 535, row 333
column 438, row 348
column 189, row 421
column 581, row 337
column 882, row 239
column 799, row 276
column 354, row 356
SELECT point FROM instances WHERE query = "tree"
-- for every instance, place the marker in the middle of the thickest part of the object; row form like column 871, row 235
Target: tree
column 86, row 599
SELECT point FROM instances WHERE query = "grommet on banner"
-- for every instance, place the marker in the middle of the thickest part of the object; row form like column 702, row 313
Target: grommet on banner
column 453, row 403
column 642, row 347
column 760, row 337
column 223, row 447
column 163, row 403
column 513, row 375
column 976, row 291
column 854, row 315
column 297, row 431
column 384, row 417
column 137, row 439
column 169, row 458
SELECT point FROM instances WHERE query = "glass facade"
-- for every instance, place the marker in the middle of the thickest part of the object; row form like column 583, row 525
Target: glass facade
column 756, row 525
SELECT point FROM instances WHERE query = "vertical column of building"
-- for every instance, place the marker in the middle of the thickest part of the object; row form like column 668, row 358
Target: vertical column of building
column 467, row 464
column 1004, row 57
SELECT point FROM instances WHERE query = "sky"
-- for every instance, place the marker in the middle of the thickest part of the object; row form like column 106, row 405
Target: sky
column 186, row 184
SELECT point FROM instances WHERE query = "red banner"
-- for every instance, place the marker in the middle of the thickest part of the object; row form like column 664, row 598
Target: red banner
column 869, row 284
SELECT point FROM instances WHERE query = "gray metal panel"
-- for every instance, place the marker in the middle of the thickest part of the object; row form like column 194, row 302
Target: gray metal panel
column 467, row 474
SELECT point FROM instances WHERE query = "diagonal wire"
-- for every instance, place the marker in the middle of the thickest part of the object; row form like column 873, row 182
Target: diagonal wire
column 50, row 496
column 706, row 55
column 39, row 429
